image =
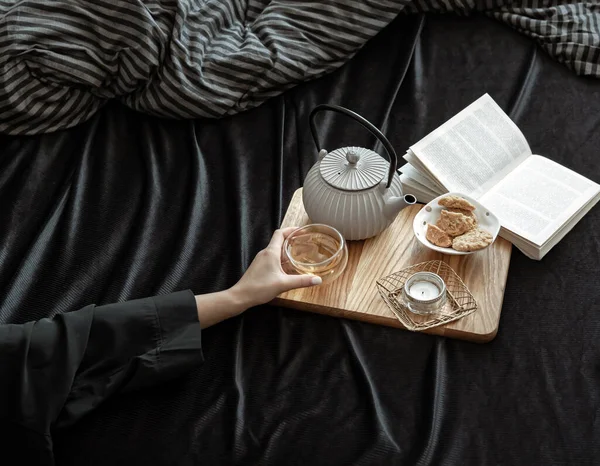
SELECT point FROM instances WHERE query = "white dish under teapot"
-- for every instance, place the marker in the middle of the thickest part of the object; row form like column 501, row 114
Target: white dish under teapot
column 354, row 189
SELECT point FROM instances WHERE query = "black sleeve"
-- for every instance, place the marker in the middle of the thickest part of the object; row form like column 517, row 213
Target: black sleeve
column 54, row 371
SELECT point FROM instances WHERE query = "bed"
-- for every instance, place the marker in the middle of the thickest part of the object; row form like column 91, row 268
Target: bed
column 127, row 205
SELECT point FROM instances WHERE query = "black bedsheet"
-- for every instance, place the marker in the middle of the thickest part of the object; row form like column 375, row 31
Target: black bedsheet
column 126, row 206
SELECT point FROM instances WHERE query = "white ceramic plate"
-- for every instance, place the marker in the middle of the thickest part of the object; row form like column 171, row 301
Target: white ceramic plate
column 430, row 213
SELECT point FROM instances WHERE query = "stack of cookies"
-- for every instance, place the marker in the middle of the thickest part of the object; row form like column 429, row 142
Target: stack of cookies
column 457, row 227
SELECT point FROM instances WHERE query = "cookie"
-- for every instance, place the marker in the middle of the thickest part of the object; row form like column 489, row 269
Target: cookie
column 468, row 213
column 472, row 241
column 455, row 224
column 438, row 237
column 456, row 202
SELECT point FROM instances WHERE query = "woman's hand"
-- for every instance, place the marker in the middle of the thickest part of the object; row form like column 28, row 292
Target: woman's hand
column 265, row 279
column 262, row 282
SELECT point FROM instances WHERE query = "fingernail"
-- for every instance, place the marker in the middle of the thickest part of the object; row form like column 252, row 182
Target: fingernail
column 316, row 280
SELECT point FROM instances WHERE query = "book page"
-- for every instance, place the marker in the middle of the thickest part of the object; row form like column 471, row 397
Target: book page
column 473, row 150
column 422, row 193
column 416, row 163
column 538, row 198
column 412, row 172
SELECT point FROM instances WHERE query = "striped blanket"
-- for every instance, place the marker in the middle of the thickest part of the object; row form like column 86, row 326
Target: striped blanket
column 61, row 61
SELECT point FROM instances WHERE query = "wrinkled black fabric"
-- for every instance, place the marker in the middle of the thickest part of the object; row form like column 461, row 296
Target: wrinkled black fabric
column 127, row 206
column 53, row 372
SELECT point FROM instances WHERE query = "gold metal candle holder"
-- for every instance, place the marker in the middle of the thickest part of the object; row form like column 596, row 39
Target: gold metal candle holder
column 460, row 302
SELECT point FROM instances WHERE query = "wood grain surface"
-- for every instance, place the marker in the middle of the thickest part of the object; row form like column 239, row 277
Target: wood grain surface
column 354, row 295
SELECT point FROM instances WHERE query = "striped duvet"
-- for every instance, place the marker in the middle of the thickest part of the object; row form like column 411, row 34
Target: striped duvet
column 60, row 61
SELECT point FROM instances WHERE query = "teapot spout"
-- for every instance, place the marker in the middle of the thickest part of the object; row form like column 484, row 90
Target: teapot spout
column 395, row 204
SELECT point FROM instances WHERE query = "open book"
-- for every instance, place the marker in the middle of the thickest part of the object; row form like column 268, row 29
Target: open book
column 480, row 152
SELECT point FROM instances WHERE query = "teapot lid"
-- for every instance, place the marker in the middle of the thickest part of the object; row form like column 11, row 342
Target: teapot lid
column 353, row 168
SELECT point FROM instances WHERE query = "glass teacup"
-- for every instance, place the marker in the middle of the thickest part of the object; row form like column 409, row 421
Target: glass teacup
column 315, row 249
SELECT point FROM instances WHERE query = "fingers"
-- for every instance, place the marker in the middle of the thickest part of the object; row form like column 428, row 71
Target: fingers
column 288, row 231
column 276, row 240
column 279, row 237
column 301, row 281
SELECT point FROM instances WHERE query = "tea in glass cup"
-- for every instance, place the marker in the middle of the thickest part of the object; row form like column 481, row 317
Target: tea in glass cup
column 318, row 250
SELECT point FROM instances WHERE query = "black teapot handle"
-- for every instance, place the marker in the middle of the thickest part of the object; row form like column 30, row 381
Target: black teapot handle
column 366, row 124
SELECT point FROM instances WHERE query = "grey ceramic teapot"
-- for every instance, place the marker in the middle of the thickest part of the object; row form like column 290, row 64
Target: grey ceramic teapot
column 353, row 189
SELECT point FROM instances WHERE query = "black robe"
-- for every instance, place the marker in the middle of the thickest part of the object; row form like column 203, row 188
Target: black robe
column 55, row 371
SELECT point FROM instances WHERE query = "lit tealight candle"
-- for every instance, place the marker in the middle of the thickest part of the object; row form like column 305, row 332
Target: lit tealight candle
column 424, row 290
column 424, row 293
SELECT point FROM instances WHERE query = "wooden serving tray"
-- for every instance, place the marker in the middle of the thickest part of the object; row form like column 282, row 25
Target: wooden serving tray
column 355, row 296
